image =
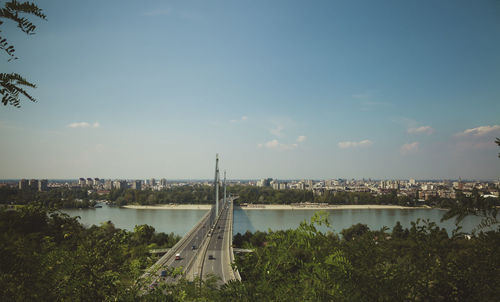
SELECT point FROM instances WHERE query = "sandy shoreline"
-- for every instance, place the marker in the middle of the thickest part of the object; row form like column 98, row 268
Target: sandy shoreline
column 272, row 207
column 325, row 207
column 170, row 207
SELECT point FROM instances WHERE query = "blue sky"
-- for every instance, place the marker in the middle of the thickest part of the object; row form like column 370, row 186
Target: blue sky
column 282, row 89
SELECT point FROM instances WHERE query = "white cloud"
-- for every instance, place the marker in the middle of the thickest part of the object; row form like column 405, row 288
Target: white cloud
column 350, row 144
column 277, row 131
column 272, row 144
column 409, row 148
column 421, row 130
column 276, row 145
column 84, row 125
column 242, row 119
column 480, row 131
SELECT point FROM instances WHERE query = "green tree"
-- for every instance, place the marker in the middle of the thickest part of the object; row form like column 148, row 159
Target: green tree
column 12, row 85
column 498, row 143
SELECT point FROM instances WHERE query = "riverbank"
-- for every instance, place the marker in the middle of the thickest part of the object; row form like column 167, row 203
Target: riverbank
column 326, row 207
column 170, row 207
column 273, row 207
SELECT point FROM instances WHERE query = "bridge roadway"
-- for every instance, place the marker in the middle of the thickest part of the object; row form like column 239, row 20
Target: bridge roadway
column 184, row 247
column 217, row 254
column 195, row 248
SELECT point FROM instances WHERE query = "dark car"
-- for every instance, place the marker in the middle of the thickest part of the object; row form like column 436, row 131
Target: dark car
column 163, row 273
column 220, row 237
column 193, row 247
column 211, row 257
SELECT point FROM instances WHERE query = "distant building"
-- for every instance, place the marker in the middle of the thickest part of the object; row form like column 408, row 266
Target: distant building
column 283, row 186
column 108, row 184
column 89, row 181
column 23, row 184
column 136, row 185
column 120, row 184
column 33, row 184
column 275, row 185
column 96, row 181
column 81, row 181
column 163, row 182
column 43, row 185
column 152, row 182
column 264, row 182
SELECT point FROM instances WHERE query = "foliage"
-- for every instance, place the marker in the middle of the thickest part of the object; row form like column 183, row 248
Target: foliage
column 54, row 198
column 49, row 256
column 497, row 141
column 421, row 263
column 181, row 194
column 11, row 84
column 267, row 195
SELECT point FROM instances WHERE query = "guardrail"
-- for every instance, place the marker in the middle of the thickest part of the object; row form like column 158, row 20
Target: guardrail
column 172, row 251
column 236, row 273
column 205, row 249
column 201, row 247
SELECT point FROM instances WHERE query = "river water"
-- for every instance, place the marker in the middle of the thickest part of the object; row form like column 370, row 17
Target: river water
column 181, row 221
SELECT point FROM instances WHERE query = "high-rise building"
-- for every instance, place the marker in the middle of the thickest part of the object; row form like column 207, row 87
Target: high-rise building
column 96, row 181
column 264, row 182
column 163, row 182
column 275, row 185
column 23, row 184
column 108, row 184
column 33, row 184
column 81, row 181
column 120, row 184
column 43, row 185
column 152, row 182
column 136, row 185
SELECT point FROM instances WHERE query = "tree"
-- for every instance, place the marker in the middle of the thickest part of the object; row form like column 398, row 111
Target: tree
column 476, row 205
column 12, row 85
column 498, row 143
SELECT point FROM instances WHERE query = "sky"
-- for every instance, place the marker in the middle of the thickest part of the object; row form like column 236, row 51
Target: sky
column 280, row 89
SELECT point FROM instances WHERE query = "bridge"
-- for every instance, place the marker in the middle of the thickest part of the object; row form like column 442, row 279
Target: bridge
column 206, row 250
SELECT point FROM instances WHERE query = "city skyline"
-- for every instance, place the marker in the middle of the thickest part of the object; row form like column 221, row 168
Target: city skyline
column 289, row 90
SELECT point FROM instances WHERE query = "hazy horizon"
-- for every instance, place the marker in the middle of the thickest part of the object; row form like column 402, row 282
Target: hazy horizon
column 281, row 89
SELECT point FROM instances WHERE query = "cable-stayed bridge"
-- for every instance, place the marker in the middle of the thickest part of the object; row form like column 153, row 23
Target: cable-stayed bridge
column 206, row 249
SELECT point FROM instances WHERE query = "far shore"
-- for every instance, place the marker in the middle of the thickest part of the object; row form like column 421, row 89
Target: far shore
column 325, row 207
column 273, row 207
column 170, row 207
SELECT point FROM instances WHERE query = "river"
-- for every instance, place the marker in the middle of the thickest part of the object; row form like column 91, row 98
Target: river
column 181, row 221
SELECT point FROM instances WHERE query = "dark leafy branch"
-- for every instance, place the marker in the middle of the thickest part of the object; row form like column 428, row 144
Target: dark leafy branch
column 11, row 85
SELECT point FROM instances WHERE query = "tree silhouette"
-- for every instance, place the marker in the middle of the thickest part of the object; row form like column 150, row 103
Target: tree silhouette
column 498, row 143
column 12, row 85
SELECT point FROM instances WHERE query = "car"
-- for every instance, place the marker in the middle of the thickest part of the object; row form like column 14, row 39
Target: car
column 177, row 256
column 153, row 285
column 219, row 237
column 211, row 257
column 193, row 247
column 163, row 273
